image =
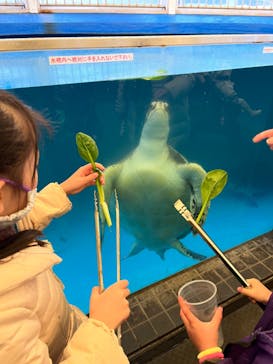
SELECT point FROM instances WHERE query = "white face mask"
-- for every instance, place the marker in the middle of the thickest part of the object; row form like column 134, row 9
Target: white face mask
column 6, row 221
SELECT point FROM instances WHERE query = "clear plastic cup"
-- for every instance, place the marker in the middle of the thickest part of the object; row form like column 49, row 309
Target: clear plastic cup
column 201, row 297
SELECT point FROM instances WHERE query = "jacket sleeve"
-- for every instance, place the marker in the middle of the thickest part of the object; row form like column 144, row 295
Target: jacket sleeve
column 266, row 321
column 21, row 341
column 19, row 337
column 51, row 202
column 94, row 343
column 222, row 361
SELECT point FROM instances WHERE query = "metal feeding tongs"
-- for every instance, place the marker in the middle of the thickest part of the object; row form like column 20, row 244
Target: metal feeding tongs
column 185, row 213
column 98, row 247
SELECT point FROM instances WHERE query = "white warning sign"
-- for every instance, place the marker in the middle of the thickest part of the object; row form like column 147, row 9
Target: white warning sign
column 92, row 58
column 267, row 49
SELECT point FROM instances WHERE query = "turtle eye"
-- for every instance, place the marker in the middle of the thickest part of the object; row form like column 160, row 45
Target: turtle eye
column 193, row 205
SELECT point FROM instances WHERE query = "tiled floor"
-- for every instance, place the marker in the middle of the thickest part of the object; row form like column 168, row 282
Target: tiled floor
column 154, row 327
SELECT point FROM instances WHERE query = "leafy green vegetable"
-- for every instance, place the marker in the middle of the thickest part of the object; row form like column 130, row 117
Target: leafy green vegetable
column 211, row 187
column 154, row 78
column 89, row 152
column 160, row 75
column 87, row 148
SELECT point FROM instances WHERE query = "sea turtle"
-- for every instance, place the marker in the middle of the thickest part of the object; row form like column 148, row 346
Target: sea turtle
column 149, row 181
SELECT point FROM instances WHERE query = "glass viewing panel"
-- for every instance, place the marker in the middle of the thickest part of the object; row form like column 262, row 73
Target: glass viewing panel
column 212, row 119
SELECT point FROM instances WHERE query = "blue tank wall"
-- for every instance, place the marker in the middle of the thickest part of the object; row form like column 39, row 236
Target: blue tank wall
column 14, row 25
column 56, row 67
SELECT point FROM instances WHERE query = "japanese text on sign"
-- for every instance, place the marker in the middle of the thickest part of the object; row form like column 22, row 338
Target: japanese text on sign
column 94, row 58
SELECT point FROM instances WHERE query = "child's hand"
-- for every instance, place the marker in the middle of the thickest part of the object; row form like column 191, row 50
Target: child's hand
column 266, row 134
column 82, row 178
column 204, row 335
column 256, row 291
column 110, row 306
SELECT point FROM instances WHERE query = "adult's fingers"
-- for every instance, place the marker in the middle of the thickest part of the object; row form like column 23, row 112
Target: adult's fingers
column 263, row 135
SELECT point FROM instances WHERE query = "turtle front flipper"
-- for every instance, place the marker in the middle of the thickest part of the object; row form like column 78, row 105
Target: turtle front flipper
column 187, row 252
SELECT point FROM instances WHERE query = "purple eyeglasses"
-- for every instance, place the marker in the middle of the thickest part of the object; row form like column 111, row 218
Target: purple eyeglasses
column 15, row 184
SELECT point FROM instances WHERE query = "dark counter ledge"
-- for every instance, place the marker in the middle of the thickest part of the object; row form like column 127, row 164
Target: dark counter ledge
column 154, row 326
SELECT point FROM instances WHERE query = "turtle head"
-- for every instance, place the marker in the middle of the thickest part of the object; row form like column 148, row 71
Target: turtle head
column 195, row 205
column 157, row 121
column 194, row 175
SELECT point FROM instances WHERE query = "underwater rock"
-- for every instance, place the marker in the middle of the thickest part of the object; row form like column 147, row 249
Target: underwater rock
column 149, row 181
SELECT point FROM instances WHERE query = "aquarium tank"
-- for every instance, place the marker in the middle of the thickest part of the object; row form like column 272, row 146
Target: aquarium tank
column 210, row 119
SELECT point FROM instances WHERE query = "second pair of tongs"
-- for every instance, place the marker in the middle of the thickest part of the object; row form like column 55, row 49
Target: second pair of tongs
column 98, row 246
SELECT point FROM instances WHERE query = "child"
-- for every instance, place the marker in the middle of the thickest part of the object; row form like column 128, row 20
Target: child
column 37, row 325
column 257, row 348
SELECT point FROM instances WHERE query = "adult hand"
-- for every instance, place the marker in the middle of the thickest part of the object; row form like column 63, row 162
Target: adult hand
column 256, row 291
column 204, row 335
column 82, row 178
column 110, row 306
column 266, row 134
